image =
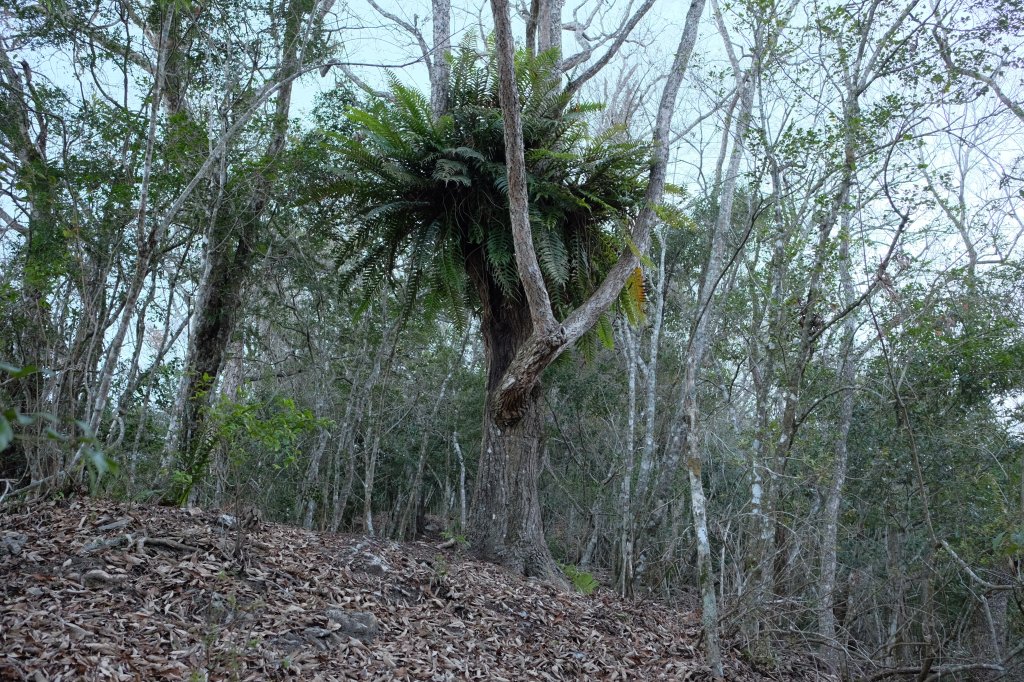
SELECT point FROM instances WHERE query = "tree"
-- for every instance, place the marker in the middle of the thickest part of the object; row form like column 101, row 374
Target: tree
column 427, row 195
column 242, row 199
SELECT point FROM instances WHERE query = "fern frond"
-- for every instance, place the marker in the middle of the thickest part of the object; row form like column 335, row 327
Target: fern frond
column 552, row 254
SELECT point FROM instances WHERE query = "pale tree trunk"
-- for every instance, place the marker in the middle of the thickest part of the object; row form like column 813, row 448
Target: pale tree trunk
column 28, row 322
column 544, row 26
column 676, row 449
column 762, row 369
column 988, row 630
column 342, row 488
column 463, row 508
column 230, row 253
column 686, row 439
column 812, row 324
column 167, row 340
column 146, row 240
column 439, row 69
column 898, row 618
column 305, row 506
column 352, row 426
column 378, row 376
column 644, row 471
column 649, row 454
column 318, row 476
column 627, row 340
column 369, row 474
column 831, row 648
column 409, row 525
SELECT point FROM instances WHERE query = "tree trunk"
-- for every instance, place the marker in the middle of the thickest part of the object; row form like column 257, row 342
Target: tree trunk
column 439, row 69
column 230, row 253
column 462, row 481
column 522, row 337
column 831, row 650
column 626, row 504
column 505, row 519
column 988, row 632
column 410, row 520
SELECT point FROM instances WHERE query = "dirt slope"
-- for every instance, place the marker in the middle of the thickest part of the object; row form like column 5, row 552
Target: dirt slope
column 97, row 590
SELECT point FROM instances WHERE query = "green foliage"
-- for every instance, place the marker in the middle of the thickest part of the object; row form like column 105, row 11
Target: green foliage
column 77, row 436
column 275, row 427
column 250, row 434
column 1009, row 543
column 429, row 196
column 968, row 346
column 459, row 538
column 583, row 581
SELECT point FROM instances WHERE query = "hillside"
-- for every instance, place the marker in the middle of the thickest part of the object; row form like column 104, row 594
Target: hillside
column 100, row 590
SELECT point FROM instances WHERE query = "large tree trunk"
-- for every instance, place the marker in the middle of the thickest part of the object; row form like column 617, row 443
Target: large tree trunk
column 522, row 337
column 505, row 519
column 988, row 629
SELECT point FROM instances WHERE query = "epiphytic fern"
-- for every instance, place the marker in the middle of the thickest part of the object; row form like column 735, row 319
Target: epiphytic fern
column 429, row 195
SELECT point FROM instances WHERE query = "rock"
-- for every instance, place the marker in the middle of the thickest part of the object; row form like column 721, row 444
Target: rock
column 100, row 577
column 433, row 524
column 288, row 641
column 371, row 563
column 321, row 638
column 219, row 611
column 362, row 625
column 115, row 525
column 249, row 518
column 13, row 543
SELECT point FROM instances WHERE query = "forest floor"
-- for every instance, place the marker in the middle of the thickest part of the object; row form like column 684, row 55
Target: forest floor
column 92, row 589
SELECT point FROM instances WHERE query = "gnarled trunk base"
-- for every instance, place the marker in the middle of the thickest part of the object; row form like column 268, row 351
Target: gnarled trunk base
column 505, row 525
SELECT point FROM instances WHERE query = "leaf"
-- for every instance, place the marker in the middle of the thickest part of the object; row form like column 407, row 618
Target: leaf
column 447, row 171
column 54, row 435
column 635, row 287
column 18, row 372
column 605, row 332
column 634, row 297
column 644, row 260
column 6, row 433
column 469, row 153
column 100, row 462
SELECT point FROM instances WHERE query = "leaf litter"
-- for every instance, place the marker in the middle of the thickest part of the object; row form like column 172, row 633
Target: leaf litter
column 99, row 590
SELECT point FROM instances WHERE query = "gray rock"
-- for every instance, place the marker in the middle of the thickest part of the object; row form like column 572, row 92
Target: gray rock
column 321, row 638
column 370, row 563
column 13, row 543
column 289, row 641
column 98, row 577
column 114, row 525
column 362, row 625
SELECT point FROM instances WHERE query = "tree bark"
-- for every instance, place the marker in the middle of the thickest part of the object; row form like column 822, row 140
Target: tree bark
column 686, row 439
column 439, row 69
column 831, row 650
column 505, row 518
column 410, row 521
column 626, row 505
